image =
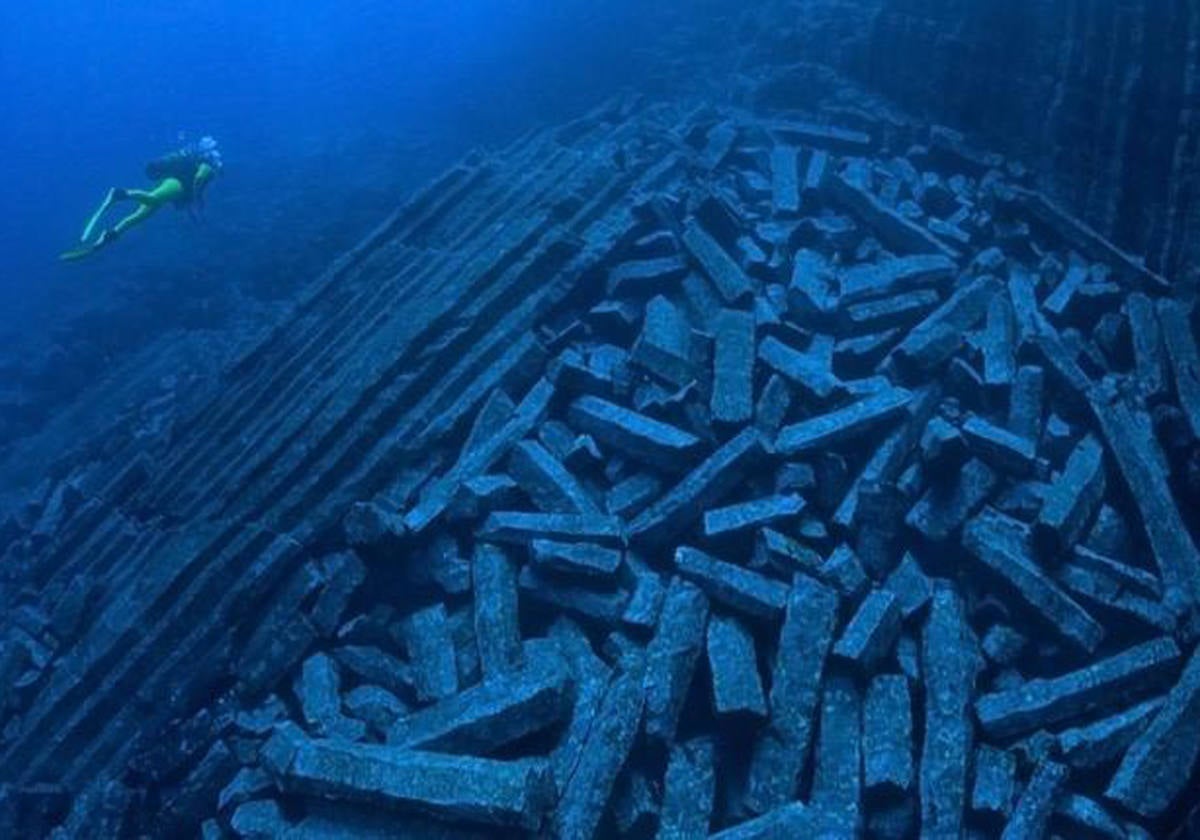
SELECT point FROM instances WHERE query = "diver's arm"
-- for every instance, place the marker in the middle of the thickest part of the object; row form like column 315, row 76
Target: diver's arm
column 204, row 174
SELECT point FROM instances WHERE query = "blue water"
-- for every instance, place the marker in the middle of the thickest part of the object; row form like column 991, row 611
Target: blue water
column 310, row 99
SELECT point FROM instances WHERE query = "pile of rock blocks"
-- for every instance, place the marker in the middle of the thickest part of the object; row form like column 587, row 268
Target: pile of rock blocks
column 856, row 499
column 840, row 512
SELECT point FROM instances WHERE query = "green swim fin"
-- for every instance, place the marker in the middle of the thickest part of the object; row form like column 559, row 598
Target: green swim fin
column 95, row 217
column 105, row 238
column 77, row 254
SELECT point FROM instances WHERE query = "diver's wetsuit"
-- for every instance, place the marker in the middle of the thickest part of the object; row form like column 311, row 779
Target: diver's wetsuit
column 181, row 179
column 183, row 168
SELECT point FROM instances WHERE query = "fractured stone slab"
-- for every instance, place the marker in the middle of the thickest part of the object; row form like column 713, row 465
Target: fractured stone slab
column 1180, row 341
column 522, row 528
column 785, row 179
column 732, row 398
column 753, row 514
column 584, row 560
column 664, row 347
column 504, row 793
column 606, row 605
column 318, row 688
column 498, row 711
column 888, row 735
column 889, row 312
column 731, row 282
column 872, row 631
column 689, row 789
column 497, row 627
column 672, row 656
column 547, row 482
column 1103, row 740
column 1001, row 447
column 843, row 424
column 1107, row 682
column 782, row 749
column 643, row 438
column 1002, row 545
column 944, row 508
column 704, row 486
column 811, row 294
column 949, row 663
column 811, row 371
column 733, row 663
column 895, row 275
column 431, row 650
column 740, row 589
column 936, row 339
column 821, row 136
column 1149, row 352
column 893, row 229
column 1156, row 769
column 995, row 789
column 791, row 820
column 644, row 278
column 1032, row 815
column 837, row 796
column 605, row 751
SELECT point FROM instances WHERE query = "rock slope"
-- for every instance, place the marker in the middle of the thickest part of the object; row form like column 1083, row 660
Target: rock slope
column 665, row 475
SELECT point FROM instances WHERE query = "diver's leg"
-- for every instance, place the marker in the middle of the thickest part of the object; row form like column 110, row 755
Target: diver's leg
column 163, row 193
column 145, row 211
column 148, row 204
column 111, row 234
column 113, row 195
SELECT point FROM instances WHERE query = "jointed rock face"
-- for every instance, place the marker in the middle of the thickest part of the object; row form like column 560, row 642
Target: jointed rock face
column 663, row 475
column 1099, row 97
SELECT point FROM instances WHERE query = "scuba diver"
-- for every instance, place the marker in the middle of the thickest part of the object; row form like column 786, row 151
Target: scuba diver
column 181, row 179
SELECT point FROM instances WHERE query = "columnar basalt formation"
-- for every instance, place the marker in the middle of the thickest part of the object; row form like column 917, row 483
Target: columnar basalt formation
column 1100, row 97
column 667, row 474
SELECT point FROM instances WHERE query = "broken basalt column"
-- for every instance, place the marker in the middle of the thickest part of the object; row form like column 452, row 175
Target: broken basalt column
column 785, row 480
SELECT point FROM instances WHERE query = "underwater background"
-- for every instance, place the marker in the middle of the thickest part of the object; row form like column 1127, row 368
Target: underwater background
column 93, row 92
column 327, row 113
column 697, row 418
